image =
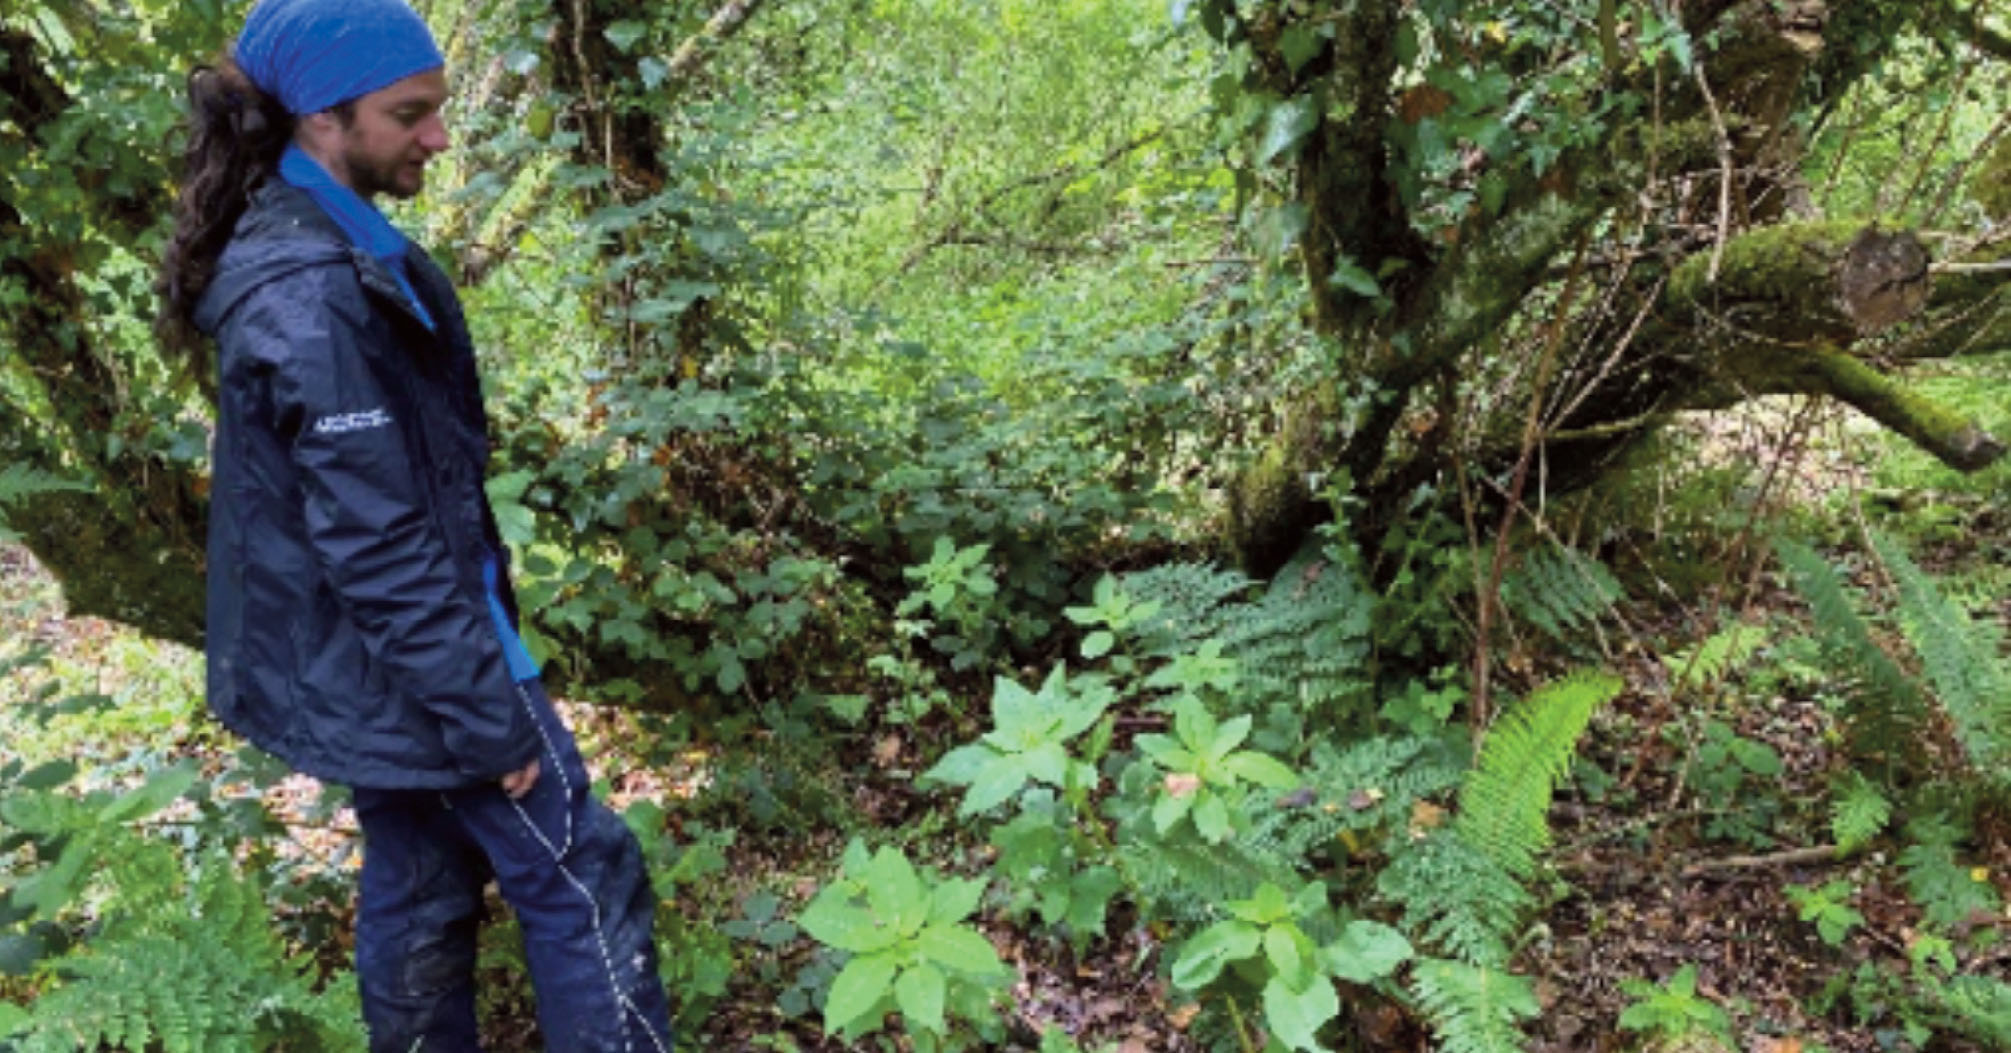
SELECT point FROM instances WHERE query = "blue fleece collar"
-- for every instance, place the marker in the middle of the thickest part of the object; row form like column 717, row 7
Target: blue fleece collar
column 366, row 228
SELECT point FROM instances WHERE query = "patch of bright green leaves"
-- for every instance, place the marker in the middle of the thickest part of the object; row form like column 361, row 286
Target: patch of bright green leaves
column 911, row 950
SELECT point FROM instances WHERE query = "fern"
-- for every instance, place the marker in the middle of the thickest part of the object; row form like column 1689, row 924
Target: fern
column 1858, row 814
column 18, row 481
column 1961, row 660
column 1560, row 590
column 1717, row 657
column 1456, row 897
column 1304, row 642
column 1978, row 1007
column 1473, row 1008
column 1465, row 889
column 183, row 958
column 1504, row 803
column 1194, row 603
column 1885, row 706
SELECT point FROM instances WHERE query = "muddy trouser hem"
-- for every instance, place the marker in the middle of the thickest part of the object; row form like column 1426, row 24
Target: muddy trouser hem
column 568, row 867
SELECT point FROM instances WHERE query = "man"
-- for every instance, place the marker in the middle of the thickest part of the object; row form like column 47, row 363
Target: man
column 361, row 625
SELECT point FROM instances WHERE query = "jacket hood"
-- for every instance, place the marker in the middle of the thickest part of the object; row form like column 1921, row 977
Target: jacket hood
column 282, row 232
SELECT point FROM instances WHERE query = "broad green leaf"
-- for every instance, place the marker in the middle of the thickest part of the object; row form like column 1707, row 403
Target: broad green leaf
column 1098, row 644
column 1226, row 738
column 1194, row 725
column 1164, row 750
column 1367, row 951
column 1267, row 905
column 1047, row 762
column 152, row 796
column 895, row 891
column 46, row 776
column 835, row 922
column 1169, row 810
column 1203, row 956
column 919, row 995
column 1296, row 1016
column 1265, row 771
column 1001, row 777
column 1211, row 817
column 1281, row 947
column 858, row 989
column 960, row 948
column 954, row 900
column 1015, row 712
column 13, row 1019
column 960, row 766
column 1286, row 124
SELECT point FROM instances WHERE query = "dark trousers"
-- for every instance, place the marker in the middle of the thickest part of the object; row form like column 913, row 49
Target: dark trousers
column 566, row 864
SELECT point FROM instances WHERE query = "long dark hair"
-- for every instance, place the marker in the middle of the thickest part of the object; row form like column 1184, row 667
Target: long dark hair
column 236, row 134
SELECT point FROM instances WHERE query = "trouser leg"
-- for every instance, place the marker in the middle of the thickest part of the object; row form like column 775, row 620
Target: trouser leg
column 416, row 919
column 574, row 874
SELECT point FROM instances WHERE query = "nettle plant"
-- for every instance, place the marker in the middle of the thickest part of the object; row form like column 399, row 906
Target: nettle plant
column 911, row 952
column 1265, row 942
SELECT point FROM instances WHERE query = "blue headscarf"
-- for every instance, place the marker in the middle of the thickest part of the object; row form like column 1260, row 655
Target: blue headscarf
column 313, row 54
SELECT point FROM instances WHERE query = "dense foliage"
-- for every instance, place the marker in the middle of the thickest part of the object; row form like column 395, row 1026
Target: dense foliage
column 1037, row 480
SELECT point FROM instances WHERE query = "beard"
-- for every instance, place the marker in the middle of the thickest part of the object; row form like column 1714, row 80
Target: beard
column 394, row 177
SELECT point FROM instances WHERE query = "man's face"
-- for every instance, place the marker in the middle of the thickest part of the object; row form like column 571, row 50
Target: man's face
column 391, row 134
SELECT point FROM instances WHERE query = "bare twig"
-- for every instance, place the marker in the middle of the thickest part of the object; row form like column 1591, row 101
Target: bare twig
column 1789, row 857
column 1724, row 176
column 691, row 54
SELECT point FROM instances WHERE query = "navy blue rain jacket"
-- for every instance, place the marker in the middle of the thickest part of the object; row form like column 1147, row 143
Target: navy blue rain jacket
column 348, row 626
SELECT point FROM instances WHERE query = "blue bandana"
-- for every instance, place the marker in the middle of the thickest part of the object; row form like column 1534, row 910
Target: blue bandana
column 313, row 54
column 366, row 227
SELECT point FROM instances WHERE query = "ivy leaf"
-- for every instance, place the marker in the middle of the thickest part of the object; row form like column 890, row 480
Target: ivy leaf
column 624, row 34
column 1299, row 44
column 1295, row 1017
column 1285, row 125
column 857, row 989
column 1349, row 275
column 1203, row 957
column 919, row 994
column 653, row 71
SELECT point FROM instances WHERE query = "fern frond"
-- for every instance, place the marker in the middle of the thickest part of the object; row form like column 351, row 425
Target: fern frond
column 1885, row 705
column 1474, row 1009
column 1716, row 657
column 1978, row 1007
column 1456, row 897
column 1560, row 590
column 1962, row 661
column 18, row 481
column 1505, row 802
column 1191, row 599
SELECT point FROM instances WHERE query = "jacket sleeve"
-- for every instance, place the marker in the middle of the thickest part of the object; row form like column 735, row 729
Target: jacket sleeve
column 370, row 520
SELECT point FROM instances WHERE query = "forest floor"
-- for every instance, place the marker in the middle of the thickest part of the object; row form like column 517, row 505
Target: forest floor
column 1655, row 867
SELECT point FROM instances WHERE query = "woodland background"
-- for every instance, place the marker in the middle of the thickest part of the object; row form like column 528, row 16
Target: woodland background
column 1228, row 525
